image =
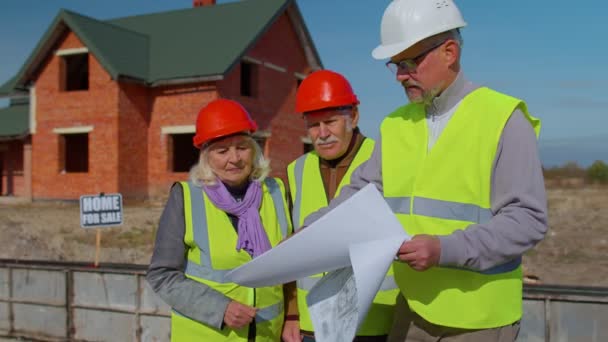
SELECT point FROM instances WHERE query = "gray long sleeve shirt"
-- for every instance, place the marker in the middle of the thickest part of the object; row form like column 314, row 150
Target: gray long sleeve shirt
column 166, row 271
column 518, row 199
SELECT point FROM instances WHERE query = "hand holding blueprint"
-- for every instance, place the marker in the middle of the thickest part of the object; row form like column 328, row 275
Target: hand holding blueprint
column 359, row 238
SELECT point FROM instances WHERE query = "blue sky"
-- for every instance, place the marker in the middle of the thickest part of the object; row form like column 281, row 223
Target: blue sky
column 550, row 53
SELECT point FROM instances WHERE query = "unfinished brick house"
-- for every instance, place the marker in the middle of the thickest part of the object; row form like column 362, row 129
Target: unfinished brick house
column 109, row 106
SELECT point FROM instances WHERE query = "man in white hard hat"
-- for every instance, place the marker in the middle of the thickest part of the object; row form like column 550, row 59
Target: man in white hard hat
column 459, row 166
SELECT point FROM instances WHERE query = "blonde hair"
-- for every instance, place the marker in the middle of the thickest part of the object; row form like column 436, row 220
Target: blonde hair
column 202, row 174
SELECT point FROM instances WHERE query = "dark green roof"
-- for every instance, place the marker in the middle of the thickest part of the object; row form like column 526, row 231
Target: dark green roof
column 155, row 48
column 120, row 51
column 15, row 120
column 202, row 41
column 8, row 87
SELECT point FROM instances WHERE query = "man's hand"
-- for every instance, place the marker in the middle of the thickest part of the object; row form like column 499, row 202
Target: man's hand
column 238, row 315
column 291, row 331
column 421, row 252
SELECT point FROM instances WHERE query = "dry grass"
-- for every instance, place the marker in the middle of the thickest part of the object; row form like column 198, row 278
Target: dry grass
column 574, row 252
column 51, row 231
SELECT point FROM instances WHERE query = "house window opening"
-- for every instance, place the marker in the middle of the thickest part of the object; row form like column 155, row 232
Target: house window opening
column 74, row 153
column 182, row 155
column 75, row 72
column 248, row 79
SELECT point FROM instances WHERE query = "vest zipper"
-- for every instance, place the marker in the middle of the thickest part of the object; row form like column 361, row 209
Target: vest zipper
column 333, row 174
column 252, row 326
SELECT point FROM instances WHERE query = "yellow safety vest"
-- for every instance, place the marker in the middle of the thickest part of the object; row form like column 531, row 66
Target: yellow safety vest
column 446, row 189
column 308, row 195
column 211, row 240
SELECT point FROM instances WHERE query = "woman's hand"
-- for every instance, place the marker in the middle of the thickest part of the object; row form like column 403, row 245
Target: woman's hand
column 238, row 315
column 291, row 331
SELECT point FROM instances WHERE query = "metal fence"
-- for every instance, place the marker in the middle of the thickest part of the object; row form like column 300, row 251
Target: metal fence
column 564, row 313
column 76, row 302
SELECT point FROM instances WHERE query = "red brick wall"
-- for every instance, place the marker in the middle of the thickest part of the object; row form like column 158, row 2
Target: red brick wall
column 134, row 118
column 171, row 106
column 273, row 107
column 97, row 106
column 11, row 168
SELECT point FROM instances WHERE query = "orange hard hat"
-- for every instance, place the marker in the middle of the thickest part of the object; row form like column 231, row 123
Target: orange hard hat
column 324, row 89
column 221, row 118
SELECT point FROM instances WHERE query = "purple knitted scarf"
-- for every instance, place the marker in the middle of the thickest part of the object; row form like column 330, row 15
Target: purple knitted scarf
column 252, row 236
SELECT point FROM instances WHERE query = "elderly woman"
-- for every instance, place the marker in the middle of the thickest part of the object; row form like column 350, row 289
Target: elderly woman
column 226, row 215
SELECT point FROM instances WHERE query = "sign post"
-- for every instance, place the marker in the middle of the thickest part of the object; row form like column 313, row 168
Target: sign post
column 96, row 211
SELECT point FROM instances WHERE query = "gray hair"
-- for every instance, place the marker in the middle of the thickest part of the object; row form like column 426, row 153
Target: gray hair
column 451, row 34
column 202, row 174
column 455, row 35
column 443, row 36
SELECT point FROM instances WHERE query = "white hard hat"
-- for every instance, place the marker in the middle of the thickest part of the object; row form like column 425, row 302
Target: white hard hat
column 406, row 22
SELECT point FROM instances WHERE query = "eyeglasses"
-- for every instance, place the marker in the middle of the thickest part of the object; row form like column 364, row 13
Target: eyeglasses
column 410, row 64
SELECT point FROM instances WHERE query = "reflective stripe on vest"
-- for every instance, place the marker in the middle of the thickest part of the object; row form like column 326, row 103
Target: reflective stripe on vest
column 399, row 205
column 268, row 313
column 297, row 204
column 440, row 209
column 262, row 315
column 451, row 211
column 277, row 199
column 307, row 283
column 199, row 224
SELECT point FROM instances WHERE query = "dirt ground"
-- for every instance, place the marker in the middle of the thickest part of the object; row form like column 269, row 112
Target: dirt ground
column 574, row 252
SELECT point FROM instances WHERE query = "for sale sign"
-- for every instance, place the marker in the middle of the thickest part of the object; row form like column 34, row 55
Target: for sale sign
column 101, row 210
